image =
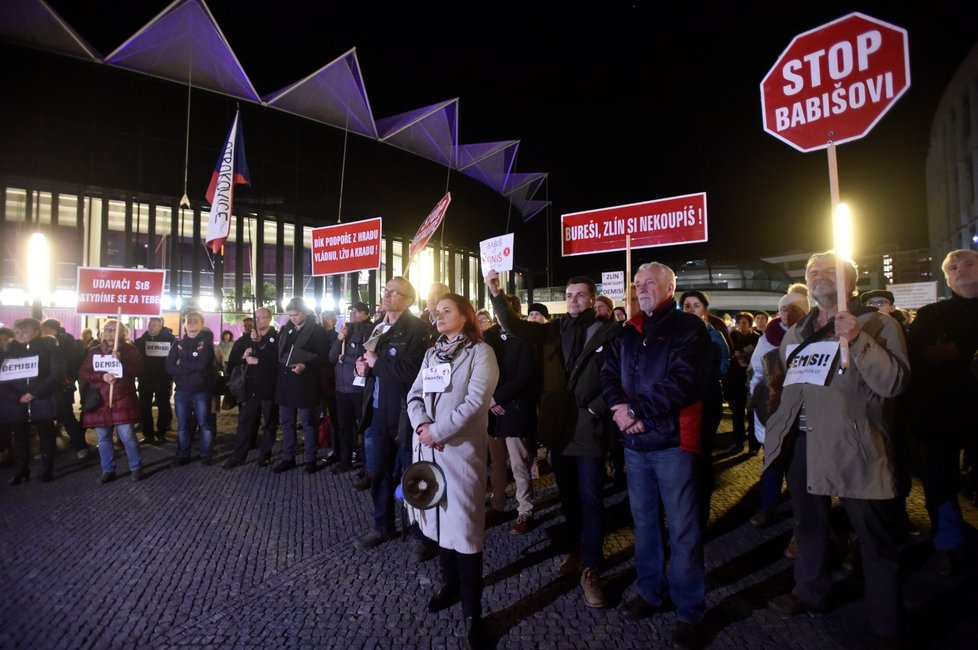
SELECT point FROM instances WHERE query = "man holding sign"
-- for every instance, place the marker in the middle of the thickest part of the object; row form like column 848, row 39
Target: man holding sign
column 833, row 431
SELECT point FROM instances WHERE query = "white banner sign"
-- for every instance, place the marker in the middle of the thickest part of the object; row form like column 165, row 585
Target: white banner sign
column 107, row 363
column 613, row 285
column 157, row 348
column 22, row 368
column 497, row 253
column 913, row 295
column 813, row 364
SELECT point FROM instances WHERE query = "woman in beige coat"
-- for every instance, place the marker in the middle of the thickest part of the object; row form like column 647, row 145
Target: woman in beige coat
column 449, row 410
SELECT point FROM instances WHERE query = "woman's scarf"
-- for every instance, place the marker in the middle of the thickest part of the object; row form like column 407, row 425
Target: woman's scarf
column 446, row 350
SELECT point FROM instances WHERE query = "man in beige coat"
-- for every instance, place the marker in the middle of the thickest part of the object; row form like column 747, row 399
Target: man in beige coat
column 833, row 431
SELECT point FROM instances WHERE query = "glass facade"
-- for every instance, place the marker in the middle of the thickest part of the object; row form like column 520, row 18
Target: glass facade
column 267, row 257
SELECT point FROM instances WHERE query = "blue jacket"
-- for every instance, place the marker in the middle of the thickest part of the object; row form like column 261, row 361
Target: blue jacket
column 658, row 366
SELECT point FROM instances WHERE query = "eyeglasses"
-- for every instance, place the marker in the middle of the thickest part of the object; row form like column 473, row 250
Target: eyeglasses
column 393, row 293
column 484, row 320
column 879, row 302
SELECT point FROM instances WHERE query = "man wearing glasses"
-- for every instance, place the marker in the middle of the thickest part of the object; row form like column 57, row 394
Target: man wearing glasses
column 390, row 362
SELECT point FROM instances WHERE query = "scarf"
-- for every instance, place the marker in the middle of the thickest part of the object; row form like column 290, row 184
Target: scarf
column 574, row 336
column 446, row 350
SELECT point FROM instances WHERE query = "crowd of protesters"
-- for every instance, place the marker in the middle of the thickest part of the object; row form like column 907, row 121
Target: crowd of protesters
column 640, row 393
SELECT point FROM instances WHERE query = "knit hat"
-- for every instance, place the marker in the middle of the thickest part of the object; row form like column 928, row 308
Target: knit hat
column 796, row 298
column 540, row 307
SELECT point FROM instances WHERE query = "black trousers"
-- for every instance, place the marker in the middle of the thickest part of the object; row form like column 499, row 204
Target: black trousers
column 703, row 463
column 161, row 394
column 345, row 425
column 462, row 573
column 47, row 432
column 248, row 421
column 872, row 522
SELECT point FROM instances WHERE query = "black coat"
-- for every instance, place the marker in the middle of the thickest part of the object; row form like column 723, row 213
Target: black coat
column 577, row 418
column 154, row 375
column 518, row 388
column 400, row 351
column 344, row 354
column 298, row 346
column 259, row 377
column 658, row 366
column 46, row 387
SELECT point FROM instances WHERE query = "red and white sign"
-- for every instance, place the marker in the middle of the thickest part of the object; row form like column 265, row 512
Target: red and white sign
column 346, row 247
column 497, row 253
column 104, row 291
column 428, row 227
column 663, row 222
column 833, row 83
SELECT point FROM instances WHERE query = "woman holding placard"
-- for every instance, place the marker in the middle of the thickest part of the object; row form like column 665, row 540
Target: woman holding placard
column 110, row 368
column 449, row 410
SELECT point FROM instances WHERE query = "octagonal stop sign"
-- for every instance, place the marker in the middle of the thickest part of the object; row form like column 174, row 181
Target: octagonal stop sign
column 833, row 83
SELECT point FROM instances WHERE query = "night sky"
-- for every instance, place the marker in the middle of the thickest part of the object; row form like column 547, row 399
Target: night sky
column 626, row 102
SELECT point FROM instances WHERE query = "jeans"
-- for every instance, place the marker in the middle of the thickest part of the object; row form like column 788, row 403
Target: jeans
column 383, row 455
column 307, row 417
column 106, row 452
column 579, row 480
column 193, row 411
column 668, row 475
column 941, row 471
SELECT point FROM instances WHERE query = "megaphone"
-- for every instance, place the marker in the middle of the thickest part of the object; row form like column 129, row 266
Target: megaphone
column 423, row 485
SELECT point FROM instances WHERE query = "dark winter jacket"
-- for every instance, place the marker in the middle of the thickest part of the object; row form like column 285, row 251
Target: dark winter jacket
column 308, row 345
column 191, row 363
column 125, row 402
column 579, row 420
column 344, row 354
column 260, row 377
column 518, row 388
column 658, row 366
column 46, row 387
column 154, row 375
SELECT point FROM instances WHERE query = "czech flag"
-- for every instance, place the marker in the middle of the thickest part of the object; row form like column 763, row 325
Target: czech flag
column 231, row 170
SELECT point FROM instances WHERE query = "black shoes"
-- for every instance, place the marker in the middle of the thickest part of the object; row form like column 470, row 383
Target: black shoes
column 476, row 637
column 179, row 461
column 283, row 466
column 342, row 468
column 443, row 599
column 362, row 483
column 264, row 461
column 791, row 605
column 207, row 462
column 636, row 609
column 137, row 474
column 312, row 468
column 686, row 636
column 373, row 539
column 232, row 462
column 107, row 477
column 22, row 477
column 422, row 551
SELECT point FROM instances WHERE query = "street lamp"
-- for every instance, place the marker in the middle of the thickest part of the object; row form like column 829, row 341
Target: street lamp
column 38, row 268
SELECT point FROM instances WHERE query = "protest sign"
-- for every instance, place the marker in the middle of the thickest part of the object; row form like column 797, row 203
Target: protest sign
column 913, row 295
column 346, row 247
column 132, row 292
column 428, row 227
column 497, row 253
column 613, row 285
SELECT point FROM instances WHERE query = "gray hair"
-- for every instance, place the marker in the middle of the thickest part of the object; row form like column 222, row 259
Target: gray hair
column 956, row 255
column 662, row 271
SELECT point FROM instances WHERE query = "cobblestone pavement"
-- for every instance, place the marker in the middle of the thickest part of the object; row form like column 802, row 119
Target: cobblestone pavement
column 202, row 557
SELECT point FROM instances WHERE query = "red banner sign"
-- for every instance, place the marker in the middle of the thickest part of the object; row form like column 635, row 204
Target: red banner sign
column 428, row 227
column 104, row 291
column 663, row 222
column 346, row 247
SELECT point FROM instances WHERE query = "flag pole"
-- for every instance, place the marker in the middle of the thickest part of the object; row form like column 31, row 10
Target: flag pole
column 840, row 278
column 628, row 273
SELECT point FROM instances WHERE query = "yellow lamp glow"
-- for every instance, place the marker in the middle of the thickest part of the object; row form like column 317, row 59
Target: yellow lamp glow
column 38, row 267
column 842, row 225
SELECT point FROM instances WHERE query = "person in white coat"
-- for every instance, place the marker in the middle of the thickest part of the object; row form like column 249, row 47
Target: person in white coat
column 449, row 410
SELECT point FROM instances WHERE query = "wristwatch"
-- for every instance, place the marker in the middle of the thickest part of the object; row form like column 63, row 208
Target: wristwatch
column 631, row 413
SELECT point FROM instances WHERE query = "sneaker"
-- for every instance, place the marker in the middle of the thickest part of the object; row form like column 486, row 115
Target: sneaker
column 591, row 583
column 373, row 539
column 107, row 477
column 522, row 525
